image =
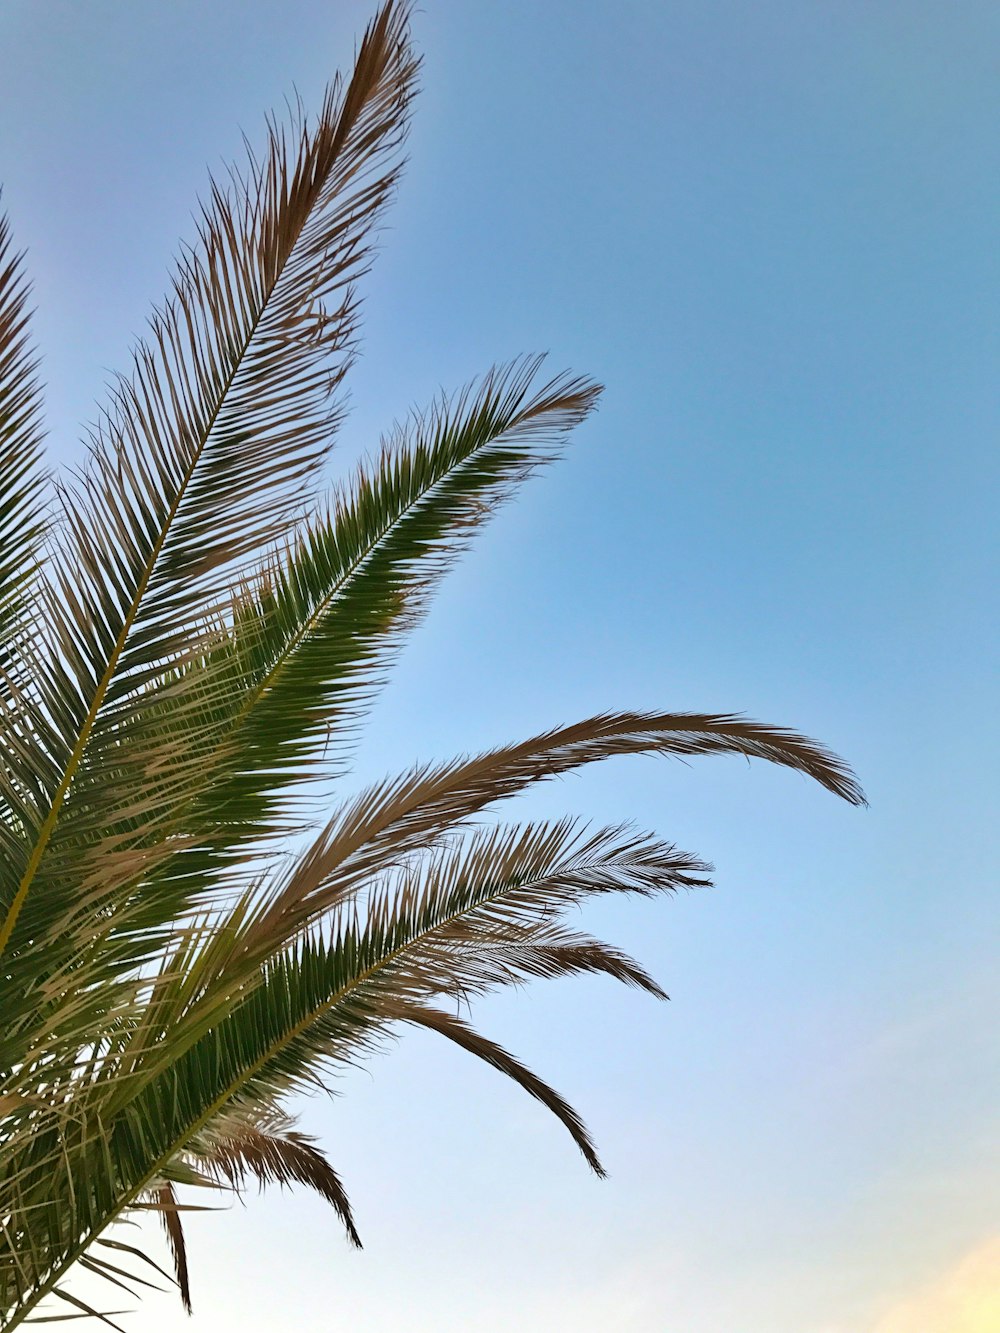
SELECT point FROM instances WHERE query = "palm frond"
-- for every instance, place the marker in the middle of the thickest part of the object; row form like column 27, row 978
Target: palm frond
column 248, row 1142
column 457, row 929
column 298, row 659
column 23, row 525
column 321, row 623
column 390, row 820
column 165, row 1199
column 188, row 644
column 211, row 446
column 84, row 1309
column 535, row 951
column 466, row 920
column 22, row 480
column 452, row 1027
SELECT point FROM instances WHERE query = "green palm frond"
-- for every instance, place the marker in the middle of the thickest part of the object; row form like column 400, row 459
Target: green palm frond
column 298, row 658
column 323, row 621
column 23, row 525
column 444, row 931
column 319, row 624
column 22, row 481
column 196, row 634
column 211, row 447
column 467, row 920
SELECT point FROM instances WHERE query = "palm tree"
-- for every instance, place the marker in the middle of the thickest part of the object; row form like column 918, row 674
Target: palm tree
column 190, row 630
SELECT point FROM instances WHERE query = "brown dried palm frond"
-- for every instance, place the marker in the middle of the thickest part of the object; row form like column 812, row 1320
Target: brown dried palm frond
column 248, row 1142
column 165, row 1198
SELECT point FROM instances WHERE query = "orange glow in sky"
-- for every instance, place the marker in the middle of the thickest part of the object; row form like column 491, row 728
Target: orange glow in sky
column 966, row 1299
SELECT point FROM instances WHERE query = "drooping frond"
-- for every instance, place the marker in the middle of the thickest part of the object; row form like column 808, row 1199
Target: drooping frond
column 452, row 1027
column 474, row 918
column 245, row 1142
column 84, row 1310
column 537, row 951
column 466, row 920
column 164, row 1196
column 394, row 818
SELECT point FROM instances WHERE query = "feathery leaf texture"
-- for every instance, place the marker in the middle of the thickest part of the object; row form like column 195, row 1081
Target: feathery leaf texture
column 191, row 629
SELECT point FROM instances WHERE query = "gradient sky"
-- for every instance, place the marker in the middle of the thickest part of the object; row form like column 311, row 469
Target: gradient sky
column 770, row 230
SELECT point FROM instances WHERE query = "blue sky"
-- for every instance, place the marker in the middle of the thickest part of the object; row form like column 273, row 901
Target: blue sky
column 769, row 230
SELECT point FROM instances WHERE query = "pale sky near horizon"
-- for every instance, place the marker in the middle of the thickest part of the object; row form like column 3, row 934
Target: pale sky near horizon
column 770, row 231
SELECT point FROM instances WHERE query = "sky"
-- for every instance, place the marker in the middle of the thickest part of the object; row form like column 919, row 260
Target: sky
column 769, row 230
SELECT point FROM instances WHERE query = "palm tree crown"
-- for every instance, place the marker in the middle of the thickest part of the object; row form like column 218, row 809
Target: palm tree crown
column 189, row 630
